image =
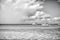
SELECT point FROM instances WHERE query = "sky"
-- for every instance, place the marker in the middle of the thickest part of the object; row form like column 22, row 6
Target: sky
column 9, row 15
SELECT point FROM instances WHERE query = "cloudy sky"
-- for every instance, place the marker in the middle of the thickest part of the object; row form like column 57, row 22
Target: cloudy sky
column 9, row 15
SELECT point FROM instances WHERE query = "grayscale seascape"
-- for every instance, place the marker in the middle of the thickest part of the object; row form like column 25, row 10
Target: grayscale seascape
column 29, row 19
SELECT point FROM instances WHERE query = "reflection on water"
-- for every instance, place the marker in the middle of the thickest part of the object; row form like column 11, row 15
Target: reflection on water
column 33, row 34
